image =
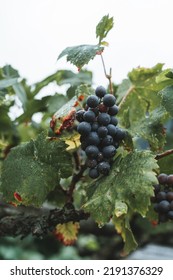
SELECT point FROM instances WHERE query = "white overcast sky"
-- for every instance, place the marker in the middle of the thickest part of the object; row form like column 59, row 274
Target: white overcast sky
column 34, row 32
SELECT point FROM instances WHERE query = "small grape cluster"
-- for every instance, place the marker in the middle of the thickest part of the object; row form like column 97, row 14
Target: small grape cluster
column 163, row 197
column 100, row 135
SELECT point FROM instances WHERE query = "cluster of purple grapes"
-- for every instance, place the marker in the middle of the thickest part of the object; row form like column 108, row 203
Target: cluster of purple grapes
column 100, row 135
column 163, row 197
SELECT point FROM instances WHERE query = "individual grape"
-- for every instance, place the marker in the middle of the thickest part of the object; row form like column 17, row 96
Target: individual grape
column 113, row 110
column 93, row 138
column 84, row 128
column 94, row 126
column 89, row 116
column 163, row 206
column 114, row 121
column 109, row 151
column 100, row 91
column 170, row 179
column 79, row 115
column 93, row 173
column 120, row 134
column 104, row 168
column 169, row 196
column 92, row 101
column 161, row 196
column 102, row 131
column 112, row 130
column 91, row 163
column 170, row 215
column 106, row 141
column 102, row 108
column 109, row 100
column 162, row 178
column 91, row 151
column 103, row 119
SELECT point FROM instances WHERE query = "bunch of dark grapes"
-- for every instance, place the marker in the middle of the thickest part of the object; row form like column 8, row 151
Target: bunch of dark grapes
column 100, row 135
column 163, row 197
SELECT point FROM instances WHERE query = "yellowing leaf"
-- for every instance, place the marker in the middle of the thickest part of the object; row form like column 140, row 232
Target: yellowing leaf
column 73, row 143
column 67, row 233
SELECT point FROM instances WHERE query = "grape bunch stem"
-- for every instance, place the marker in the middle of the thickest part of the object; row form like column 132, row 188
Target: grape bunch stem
column 108, row 76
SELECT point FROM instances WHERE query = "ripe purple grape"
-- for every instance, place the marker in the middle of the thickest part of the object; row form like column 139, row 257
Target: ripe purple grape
column 92, row 138
column 106, row 141
column 91, row 151
column 109, row 151
column 114, row 121
column 102, row 131
column 162, row 178
column 161, row 196
column 104, row 168
column 112, row 130
column 93, row 173
column 84, row 128
column 89, row 116
column 170, row 179
column 79, row 115
column 103, row 119
column 163, row 206
column 92, row 101
column 169, row 196
column 109, row 100
column 113, row 110
column 100, row 91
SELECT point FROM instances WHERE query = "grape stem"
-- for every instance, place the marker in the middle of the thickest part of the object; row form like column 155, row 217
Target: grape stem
column 164, row 154
column 108, row 76
column 76, row 178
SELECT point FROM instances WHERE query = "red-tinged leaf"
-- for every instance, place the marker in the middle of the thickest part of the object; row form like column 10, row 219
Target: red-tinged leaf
column 67, row 233
column 17, row 197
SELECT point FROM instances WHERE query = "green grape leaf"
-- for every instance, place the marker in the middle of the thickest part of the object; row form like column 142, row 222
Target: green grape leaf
column 170, row 74
column 9, row 72
column 122, row 226
column 151, row 128
column 103, row 27
column 64, row 77
column 21, row 94
column 55, row 102
column 4, row 83
column 81, row 55
column 33, row 169
column 143, row 75
column 167, row 99
column 142, row 108
column 129, row 182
